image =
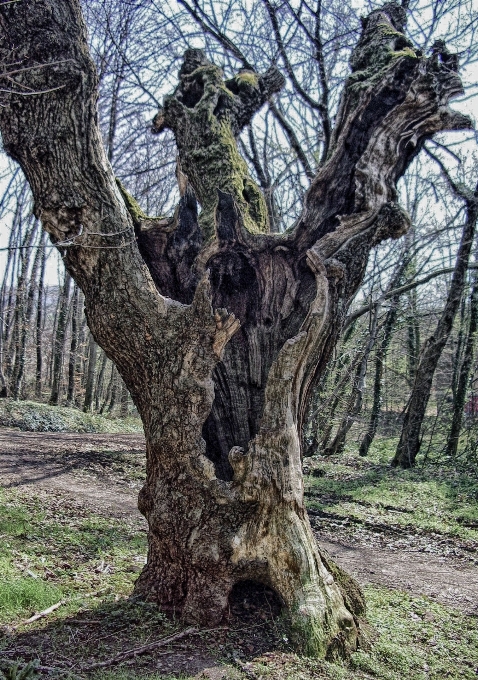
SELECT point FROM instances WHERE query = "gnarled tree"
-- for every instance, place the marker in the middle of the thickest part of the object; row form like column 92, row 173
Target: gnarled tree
column 217, row 326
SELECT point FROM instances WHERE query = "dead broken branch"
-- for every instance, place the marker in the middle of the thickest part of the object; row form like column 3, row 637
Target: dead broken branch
column 130, row 653
column 41, row 614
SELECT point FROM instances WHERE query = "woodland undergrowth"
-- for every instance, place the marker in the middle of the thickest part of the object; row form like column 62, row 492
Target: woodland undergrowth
column 57, row 551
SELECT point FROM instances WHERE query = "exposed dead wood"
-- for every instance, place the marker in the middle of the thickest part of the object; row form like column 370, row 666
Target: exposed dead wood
column 218, row 327
column 143, row 649
column 41, row 615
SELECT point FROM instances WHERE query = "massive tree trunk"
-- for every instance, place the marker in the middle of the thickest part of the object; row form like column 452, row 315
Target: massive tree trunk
column 217, row 326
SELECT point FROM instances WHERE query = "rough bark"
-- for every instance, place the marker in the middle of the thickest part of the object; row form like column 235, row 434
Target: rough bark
column 222, row 393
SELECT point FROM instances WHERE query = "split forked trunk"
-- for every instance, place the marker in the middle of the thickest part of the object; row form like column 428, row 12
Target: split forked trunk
column 217, row 326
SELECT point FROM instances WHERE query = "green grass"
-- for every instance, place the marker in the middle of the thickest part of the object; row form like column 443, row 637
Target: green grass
column 124, row 674
column 21, row 595
column 432, row 498
column 418, row 639
column 32, row 416
column 53, row 551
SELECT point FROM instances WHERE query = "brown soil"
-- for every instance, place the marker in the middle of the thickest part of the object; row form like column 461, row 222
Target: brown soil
column 77, row 464
column 104, row 473
column 97, row 469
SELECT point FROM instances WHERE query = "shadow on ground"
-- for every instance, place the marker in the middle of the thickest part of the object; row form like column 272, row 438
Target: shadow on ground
column 97, row 635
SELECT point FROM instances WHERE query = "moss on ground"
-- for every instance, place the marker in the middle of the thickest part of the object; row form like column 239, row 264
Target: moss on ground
column 32, row 416
column 432, row 498
column 55, row 549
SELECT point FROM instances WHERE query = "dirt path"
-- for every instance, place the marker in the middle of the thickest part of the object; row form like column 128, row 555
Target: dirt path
column 443, row 579
column 78, row 464
column 104, row 472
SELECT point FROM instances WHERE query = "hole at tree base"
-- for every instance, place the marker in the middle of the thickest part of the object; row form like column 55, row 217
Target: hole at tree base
column 255, row 625
column 254, row 602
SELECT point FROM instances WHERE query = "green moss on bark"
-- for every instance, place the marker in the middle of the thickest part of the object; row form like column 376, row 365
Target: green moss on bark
column 351, row 592
column 131, row 203
column 247, row 78
column 219, row 166
column 202, row 114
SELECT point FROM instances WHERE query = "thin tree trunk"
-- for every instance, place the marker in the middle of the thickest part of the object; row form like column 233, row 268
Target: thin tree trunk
column 60, row 337
column 124, row 400
column 380, row 356
column 10, row 265
column 109, row 390
column 16, row 244
column 99, row 387
column 18, row 339
column 91, row 373
column 459, row 348
column 354, row 404
column 19, row 368
column 410, row 437
column 413, row 336
column 82, row 360
column 325, row 424
column 114, row 390
column 51, row 355
column 39, row 325
column 72, row 361
column 464, row 373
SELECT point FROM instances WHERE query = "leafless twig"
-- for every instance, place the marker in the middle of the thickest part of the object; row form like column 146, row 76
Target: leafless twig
column 130, row 653
column 41, row 614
